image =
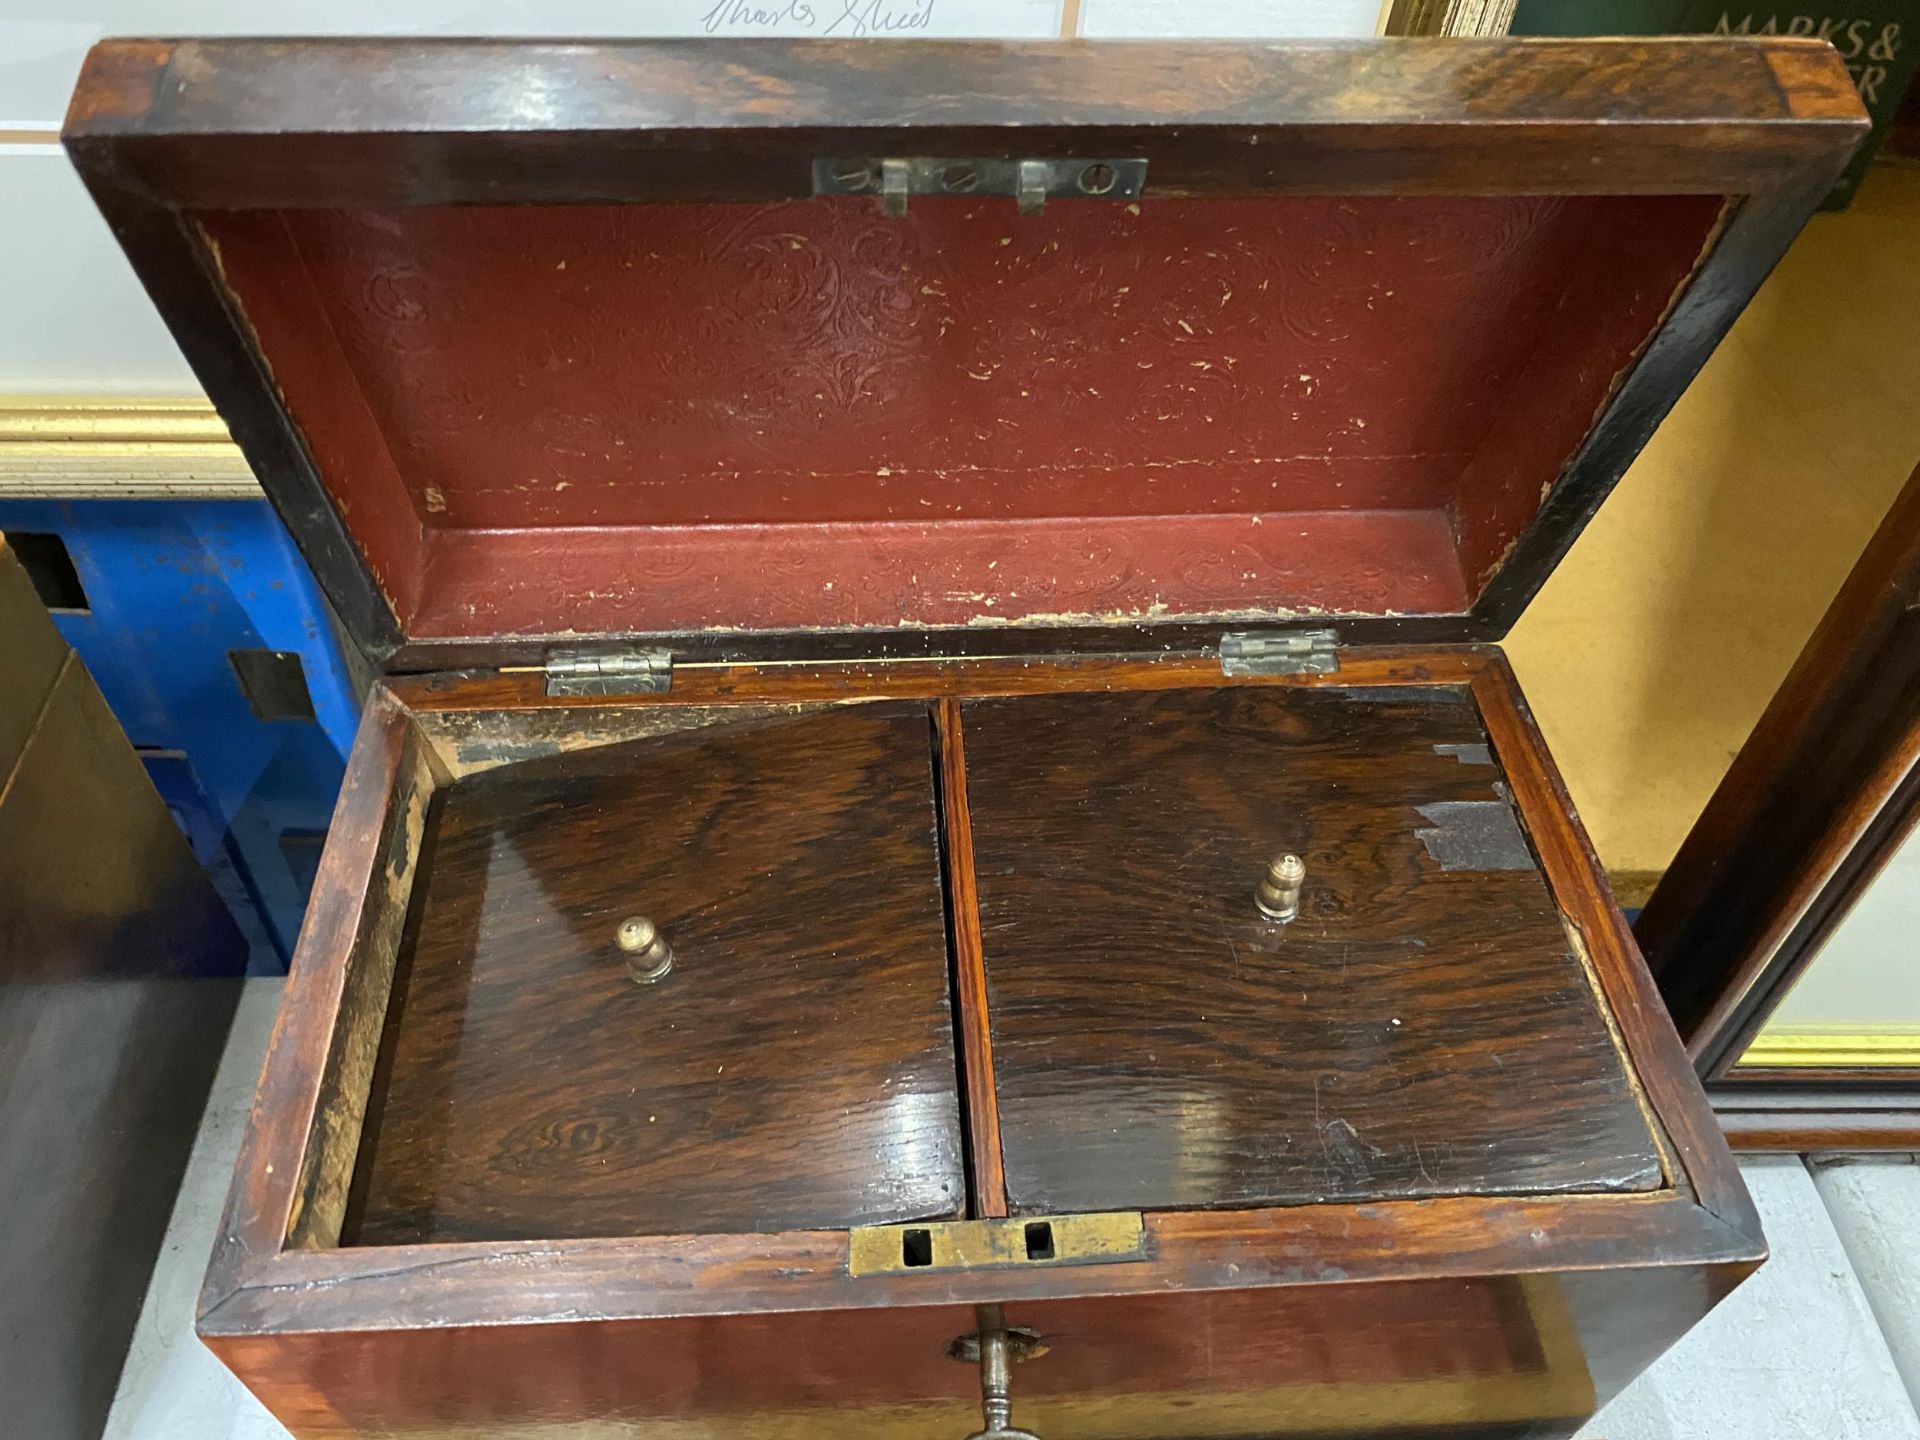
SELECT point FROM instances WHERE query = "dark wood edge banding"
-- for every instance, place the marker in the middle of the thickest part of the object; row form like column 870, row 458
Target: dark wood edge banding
column 980, row 1099
column 1876, row 1111
column 936, row 679
column 1809, row 86
column 1741, row 254
column 1895, row 1080
column 1556, row 116
column 663, row 1276
column 181, row 277
column 327, row 1167
column 275, row 1168
column 894, row 644
column 1579, row 883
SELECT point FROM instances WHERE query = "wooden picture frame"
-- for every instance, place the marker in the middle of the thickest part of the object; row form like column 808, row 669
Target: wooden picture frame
column 1815, row 803
column 1455, row 18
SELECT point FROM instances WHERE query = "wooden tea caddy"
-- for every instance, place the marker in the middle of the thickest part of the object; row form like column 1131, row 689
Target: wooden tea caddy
column 890, row 544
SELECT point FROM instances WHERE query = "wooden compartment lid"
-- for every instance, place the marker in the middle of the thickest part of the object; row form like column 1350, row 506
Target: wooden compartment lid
column 535, row 342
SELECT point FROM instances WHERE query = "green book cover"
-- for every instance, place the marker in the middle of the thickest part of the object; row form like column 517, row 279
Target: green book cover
column 1600, row 17
column 1875, row 37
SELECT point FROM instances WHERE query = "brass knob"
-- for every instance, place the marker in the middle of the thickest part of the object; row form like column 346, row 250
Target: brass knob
column 649, row 957
column 1278, row 894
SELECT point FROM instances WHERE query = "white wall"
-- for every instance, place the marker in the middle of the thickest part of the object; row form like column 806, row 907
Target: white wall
column 1227, row 19
column 72, row 317
column 76, row 319
column 38, row 55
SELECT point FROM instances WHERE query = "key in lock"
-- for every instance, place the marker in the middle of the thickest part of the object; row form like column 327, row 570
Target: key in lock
column 996, row 1348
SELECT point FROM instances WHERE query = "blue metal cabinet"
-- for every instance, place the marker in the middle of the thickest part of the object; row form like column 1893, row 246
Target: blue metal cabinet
column 205, row 631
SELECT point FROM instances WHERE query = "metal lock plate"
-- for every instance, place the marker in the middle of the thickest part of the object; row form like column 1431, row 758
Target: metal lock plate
column 996, row 1244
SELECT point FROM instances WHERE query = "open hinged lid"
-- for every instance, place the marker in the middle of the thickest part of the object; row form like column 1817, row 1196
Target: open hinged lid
column 539, row 344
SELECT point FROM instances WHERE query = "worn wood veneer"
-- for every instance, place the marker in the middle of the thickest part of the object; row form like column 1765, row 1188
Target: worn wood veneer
column 466, row 1329
column 986, row 1168
column 794, row 1071
column 1158, row 1044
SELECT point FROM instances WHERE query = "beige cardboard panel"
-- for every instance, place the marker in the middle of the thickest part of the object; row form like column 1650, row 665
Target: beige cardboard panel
column 31, row 654
column 1653, row 649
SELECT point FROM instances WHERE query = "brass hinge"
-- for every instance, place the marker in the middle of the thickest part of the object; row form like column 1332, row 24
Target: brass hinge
column 1279, row 652
column 601, row 672
column 936, row 1245
column 1029, row 183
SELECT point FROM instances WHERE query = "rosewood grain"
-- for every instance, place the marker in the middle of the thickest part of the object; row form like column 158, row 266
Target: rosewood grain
column 735, row 1301
column 659, row 1277
column 294, row 1143
column 795, row 1070
column 351, row 1052
column 820, row 680
column 469, row 742
column 446, row 1336
column 373, row 122
column 986, row 1167
column 1159, row 1044
column 1419, row 1360
column 1699, row 1158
